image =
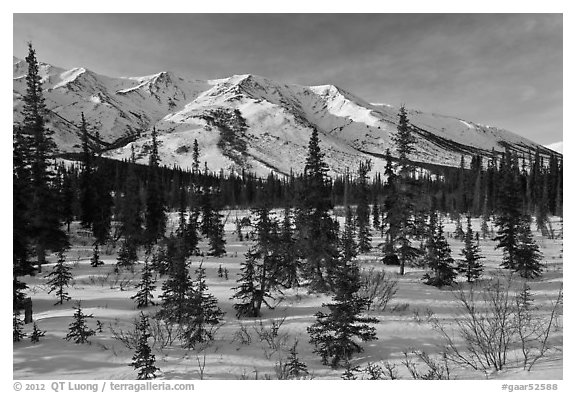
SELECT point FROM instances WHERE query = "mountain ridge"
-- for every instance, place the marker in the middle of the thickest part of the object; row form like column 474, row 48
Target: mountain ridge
column 247, row 122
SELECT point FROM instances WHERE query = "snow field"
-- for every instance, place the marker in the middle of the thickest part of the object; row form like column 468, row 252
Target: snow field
column 107, row 296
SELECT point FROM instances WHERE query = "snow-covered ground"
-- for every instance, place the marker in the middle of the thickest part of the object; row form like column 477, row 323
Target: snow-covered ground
column 106, row 296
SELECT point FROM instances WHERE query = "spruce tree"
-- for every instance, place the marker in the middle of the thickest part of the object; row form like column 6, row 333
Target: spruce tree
column 144, row 360
column 348, row 243
column 36, row 334
column 528, row 255
column 78, row 330
column 45, row 221
column 316, row 230
column 87, row 189
column 470, row 265
column 438, row 257
column 155, row 215
column 145, row 287
column 509, row 215
column 203, row 313
column 262, row 270
column 127, row 255
column 95, row 261
column 376, row 215
column 21, row 180
column 17, row 328
column 177, row 287
column 402, row 210
column 363, row 209
column 333, row 334
column 61, row 276
column 290, row 264
column 294, row 367
column 131, row 210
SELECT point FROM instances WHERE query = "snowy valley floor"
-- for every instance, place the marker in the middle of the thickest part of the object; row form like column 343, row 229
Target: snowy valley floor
column 107, row 297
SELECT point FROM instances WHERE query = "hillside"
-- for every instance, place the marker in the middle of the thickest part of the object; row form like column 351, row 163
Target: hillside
column 246, row 121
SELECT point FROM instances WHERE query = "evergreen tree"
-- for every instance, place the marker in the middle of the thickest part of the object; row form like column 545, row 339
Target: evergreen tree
column 439, row 261
column 349, row 246
column 528, row 255
column 176, row 288
column 95, row 261
column 36, row 334
column 470, row 265
column 195, row 158
column 78, row 330
column 68, row 197
column 261, row 272
column 289, row 263
column 87, row 189
column 130, row 212
column 203, row 313
column 144, row 360
column 294, row 367
column 212, row 226
column 45, row 221
column 21, row 180
column 363, row 209
column 402, row 210
column 61, row 276
column 376, row 215
column 103, row 204
column 509, row 215
column 316, row 230
column 17, row 328
column 145, row 287
column 333, row 334
column 127, row 255
column 155, row 215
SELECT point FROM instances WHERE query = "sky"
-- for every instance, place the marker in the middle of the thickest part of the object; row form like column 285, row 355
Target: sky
column 503, row 70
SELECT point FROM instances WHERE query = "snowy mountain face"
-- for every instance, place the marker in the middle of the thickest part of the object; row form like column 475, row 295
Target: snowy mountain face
column 246, row 121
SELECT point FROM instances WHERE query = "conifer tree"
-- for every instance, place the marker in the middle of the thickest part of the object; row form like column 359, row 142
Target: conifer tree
column 438, row 257
column 144, row 360
column 155, row 215
column 294, row 367
column 21, row 180
column 45, row 221
column 36, row 334
column 290, row 264
column 316, row 230
column 509, row 215
column 333, row 334
column 195, row 158
column 131, row 210
column 127, row 255
column 78, row 330
column 363, row 209
column 528, row 255
column 349, row 246
column 95, row 261
column 247, row 292
column 376, row 215
column 402, row 210
column 261, row 272
column 17, row 328
column 103, row 204
column 176, row 288
column 203, row 313
column 87, row 189
column 470, row 265
column 145, row 287
column 61, row 276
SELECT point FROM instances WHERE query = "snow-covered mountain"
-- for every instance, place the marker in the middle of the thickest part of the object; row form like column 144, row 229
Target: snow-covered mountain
column 246, row 121
column 557, row 147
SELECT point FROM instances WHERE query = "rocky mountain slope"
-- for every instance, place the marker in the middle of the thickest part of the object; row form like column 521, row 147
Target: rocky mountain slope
column 246, row 121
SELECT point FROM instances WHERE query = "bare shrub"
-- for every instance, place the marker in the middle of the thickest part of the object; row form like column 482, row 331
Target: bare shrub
column 494, row 323
column 378, row 287
column 242, row 335
column 434, row 369
column 271, row 336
